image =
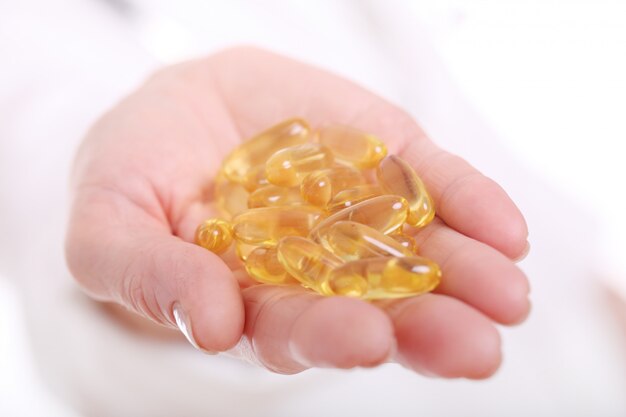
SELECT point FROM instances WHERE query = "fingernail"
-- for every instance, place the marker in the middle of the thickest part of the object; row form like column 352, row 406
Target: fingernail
column 184, row 325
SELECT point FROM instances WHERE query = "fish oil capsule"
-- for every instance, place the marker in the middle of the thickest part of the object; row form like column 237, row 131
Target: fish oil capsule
column 307, row 262
column 273, row 195
column 405, row 240
column 385, row 213
column 215, row 235
column 256, row 178
column 255, row 151
column 385, row 277
column 263, row 266
column 396, row 176
column 243, row 250
column 351, row 241
column 352, row 146
column 319, row 187
column 266, row 225
column 288, row 166
column 351, row 196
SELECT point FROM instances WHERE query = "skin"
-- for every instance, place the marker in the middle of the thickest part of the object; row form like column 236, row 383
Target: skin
column 142, row 183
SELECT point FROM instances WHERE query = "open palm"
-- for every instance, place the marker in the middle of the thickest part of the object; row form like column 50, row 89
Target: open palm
column 143, row 181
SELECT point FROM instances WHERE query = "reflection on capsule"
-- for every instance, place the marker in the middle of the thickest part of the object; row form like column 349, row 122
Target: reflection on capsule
column 288, row 166
column 397, row 177
column 351, row 241
column 385, row 277
column 352, row 146
column 308, row 262
column 385, row 213
column 265, row 226
column 319, row 187
column 351, row 196
column 272, row 195
column 263, row 266
column 254, row 152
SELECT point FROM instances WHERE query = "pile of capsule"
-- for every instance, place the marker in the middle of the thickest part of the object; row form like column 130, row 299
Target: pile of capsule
column 325, row 209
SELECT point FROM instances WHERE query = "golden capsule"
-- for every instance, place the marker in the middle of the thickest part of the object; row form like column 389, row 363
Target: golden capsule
column 352, row 146
column 288, row 166
column 307, row 262
column 231, row 198
column 243, row 250
column 254, row 152
column 319, row 187
column 385, row 277
column 255, row 178
column 273, row 195
column 265, row 226
column 263, row 266
column 396, row 176
column 351, row 196
column 385, row 213
column 351, row 241
column 405, row 240
column 215, row 235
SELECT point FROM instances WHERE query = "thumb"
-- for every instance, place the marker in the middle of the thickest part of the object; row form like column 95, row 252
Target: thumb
column 120, row 253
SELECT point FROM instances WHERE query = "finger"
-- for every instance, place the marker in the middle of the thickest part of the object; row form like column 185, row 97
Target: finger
column 292, row 329
column 476, row 273
column 441, row 336
column 468, row 201
column 281, row 88
column 119, row 253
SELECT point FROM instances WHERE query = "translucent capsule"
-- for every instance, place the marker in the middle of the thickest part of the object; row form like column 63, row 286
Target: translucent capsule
column 319, row 187
column 352, row 146
column 243, row 250
column 351, row 196
column 385, row 277
column 240, row 164
column 263, row 266
column 273, row 195
column 288, row 166
column 231, row 197
column 265, row 226
column 385, row 213
column 405, row 240
column 215, row 235
column 396, row 176
column 256, row 178
column 307, row 262
column 351, row 241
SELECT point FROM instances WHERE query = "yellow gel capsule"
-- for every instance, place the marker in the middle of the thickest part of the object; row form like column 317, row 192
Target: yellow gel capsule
column 215, row 235
column 351, row 196
column 255, row 151
column 273, row 195
column 256, row 178
column 405, row 240
column 396, row 176
column 307, row 262
column 266, row 225
column 231, row 198
column 351, row 241
column 243, row 250
column 352, row 146
column 288, row 166
column 319, row 187
column 385, row 277
column 263, row 266
column 385, row 213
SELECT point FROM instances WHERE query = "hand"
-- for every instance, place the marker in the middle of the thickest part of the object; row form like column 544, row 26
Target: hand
column 142, row 183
